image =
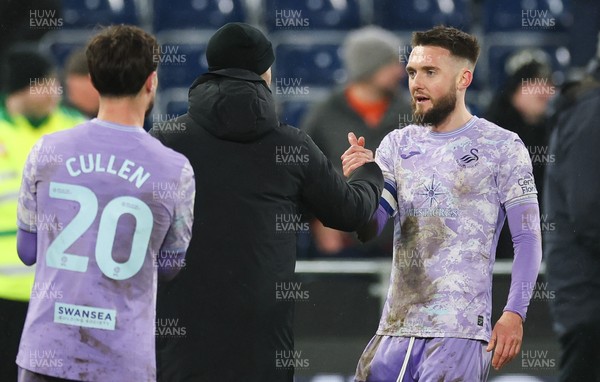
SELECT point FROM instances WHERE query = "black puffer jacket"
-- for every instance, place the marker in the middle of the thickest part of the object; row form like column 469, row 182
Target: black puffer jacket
column 254, row 177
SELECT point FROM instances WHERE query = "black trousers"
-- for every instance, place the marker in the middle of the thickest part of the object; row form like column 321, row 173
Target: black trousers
column 12, row 319
column 580, row 358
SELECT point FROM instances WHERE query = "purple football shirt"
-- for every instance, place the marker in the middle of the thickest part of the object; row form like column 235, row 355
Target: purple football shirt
column 447, row 194
column 104, row 199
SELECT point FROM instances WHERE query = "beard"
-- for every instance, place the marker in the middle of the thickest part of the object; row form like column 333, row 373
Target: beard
column 439, row 111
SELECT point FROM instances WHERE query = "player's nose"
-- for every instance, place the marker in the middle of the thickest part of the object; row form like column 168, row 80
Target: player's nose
column 415, row 83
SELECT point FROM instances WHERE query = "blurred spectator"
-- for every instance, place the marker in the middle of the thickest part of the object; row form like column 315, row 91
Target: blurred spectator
column 370, row 105
column 572, row 249
column 81, row 93
column 29, row 110
column 521, row 106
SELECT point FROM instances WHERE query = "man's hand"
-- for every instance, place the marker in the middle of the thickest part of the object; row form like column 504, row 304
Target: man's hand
column 506, row 340
column 356, row 155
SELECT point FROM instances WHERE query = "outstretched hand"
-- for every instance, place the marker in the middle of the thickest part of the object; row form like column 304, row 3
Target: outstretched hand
column 356, row 155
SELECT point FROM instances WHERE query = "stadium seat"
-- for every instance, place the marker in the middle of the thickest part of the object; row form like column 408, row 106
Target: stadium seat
column 291, row 109
column 181, row 63
column 317, row 64
column 78, row 14
column 310, row 14
column 170, row 103
column 59, row 44
column 531, row 15
column 198, row 14
column 176, row 107
column 422, row 14
column 292, row 112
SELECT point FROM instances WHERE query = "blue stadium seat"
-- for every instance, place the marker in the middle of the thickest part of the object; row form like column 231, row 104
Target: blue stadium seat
column 310, row 64
column 181, row 64
column 89, row 13
column 292, row 111
column 198, row 14
column 311, row 14
column 60, row 51
column 176, row 107
column 422, row 14
column 531, row 15
column 170, row 103
column 59, row 44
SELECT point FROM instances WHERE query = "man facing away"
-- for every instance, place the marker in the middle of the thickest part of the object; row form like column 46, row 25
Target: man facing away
column 257, row 178
column 450, row 182
column 90, row 217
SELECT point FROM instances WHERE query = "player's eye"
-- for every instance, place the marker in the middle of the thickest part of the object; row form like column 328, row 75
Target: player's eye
column 430, row 72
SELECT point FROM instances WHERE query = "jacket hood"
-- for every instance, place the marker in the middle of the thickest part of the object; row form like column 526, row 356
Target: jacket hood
column 232, row 104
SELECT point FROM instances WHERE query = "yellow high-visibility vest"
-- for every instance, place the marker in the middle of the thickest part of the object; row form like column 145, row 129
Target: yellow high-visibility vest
column 17, row 137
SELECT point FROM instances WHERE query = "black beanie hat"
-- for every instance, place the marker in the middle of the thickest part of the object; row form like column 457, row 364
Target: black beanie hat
column 24, row 66
column 239, row 45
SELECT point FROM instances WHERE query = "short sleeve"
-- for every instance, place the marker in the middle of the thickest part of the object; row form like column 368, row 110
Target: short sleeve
column 180, row 233
column 384, row 157
column 27, row 203
column 516, row 184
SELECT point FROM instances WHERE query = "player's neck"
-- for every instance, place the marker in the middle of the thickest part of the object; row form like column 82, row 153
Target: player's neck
column 458, row 118
column 123, row 110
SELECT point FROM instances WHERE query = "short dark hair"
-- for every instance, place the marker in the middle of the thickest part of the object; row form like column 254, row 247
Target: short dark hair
column 120, row 58
column 459, row 43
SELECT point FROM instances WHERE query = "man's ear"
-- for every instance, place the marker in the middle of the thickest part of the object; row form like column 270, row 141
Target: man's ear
column 465, row 78
column 152, row 81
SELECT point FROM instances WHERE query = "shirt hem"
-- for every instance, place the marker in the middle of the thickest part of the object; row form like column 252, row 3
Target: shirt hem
column 479, row 337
